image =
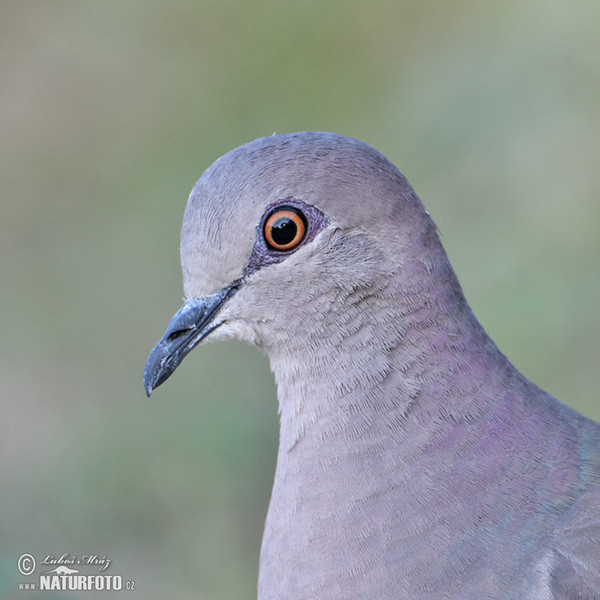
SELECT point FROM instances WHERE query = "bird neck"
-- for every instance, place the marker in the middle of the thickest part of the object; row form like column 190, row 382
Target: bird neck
column 397, row 355
column 371, row 422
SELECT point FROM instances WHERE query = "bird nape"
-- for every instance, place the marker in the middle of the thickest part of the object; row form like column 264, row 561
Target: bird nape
column 415, row 461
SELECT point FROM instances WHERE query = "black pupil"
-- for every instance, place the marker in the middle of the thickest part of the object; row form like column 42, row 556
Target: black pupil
column 283, row 231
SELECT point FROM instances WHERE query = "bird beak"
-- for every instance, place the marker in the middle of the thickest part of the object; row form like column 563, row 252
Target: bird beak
column 192, row 323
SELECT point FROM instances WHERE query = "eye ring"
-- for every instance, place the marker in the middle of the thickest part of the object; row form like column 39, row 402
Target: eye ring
column 284, row 228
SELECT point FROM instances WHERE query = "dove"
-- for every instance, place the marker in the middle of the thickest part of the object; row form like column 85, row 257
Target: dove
column 415, row 461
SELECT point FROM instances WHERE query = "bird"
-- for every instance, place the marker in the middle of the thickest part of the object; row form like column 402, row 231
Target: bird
column 414, row 461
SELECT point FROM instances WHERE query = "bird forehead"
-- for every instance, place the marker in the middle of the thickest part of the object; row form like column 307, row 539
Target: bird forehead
column 217, row 237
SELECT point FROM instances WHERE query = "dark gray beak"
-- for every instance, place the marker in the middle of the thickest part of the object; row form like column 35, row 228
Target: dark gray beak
column 192, row 323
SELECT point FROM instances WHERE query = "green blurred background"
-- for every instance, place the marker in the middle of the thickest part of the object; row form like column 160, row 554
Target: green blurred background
column 109, row 112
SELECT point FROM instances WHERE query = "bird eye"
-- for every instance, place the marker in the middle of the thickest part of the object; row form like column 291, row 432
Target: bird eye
column 284, row 228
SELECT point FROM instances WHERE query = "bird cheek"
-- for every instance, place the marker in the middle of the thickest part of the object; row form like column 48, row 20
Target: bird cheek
column 239, row 322
column 238, row 330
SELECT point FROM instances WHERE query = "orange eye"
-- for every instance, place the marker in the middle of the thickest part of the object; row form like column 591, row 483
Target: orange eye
column 284, row 228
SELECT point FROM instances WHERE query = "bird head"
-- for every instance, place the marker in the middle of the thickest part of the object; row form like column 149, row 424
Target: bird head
column 278, row 232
